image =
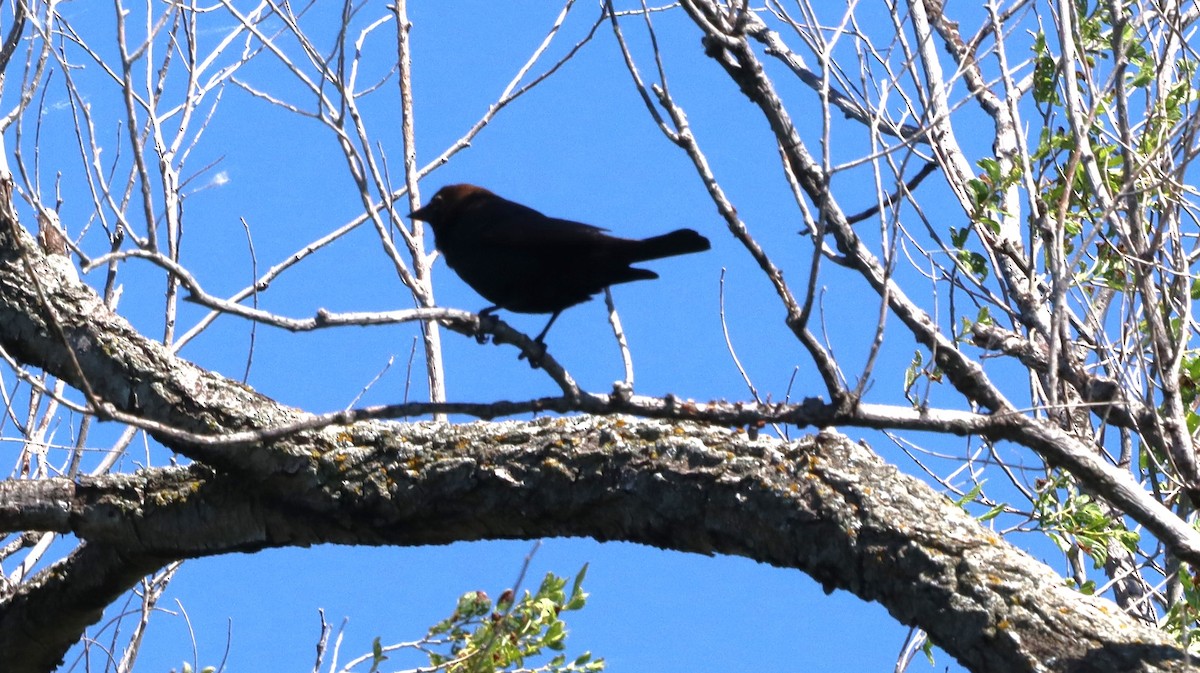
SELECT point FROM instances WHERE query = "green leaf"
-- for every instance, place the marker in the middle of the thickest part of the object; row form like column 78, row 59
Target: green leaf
column 970, row 495
column 992, row 513
column 981, row 193
column 958, row 237
column 377, row 655
column 911, row 374
column 974, row 262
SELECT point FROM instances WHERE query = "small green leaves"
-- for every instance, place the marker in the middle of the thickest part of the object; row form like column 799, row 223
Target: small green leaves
column 1184, row 614
column 481, row 638
column 1075, row 520
column 987, row 194
column 377, row 655
column 917, row 370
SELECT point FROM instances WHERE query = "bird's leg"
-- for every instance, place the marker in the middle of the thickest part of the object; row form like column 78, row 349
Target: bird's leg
column 486, row 317
column 535, row 361
column 541, row 338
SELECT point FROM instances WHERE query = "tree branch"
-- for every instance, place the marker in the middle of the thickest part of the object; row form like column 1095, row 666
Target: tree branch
column 824, row 505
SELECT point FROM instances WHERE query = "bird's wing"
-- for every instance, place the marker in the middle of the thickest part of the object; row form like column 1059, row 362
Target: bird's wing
column 527, row 228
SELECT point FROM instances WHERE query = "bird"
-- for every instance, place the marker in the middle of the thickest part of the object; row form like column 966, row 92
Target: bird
column 523, row 261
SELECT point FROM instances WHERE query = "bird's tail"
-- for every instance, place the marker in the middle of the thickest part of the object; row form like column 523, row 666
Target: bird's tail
column 678, row 242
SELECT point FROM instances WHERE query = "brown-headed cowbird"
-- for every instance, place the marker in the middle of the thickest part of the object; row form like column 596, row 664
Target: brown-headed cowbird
column 524, row 261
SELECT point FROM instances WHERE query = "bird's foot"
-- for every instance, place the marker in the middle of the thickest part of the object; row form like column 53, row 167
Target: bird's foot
column 535, row 358
column 487, row 324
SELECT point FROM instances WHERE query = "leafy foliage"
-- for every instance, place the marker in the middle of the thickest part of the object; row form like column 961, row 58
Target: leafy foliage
column 486, row 637
column 1075, row 520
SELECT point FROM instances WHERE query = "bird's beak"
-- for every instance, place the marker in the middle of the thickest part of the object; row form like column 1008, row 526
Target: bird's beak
column 418, row 214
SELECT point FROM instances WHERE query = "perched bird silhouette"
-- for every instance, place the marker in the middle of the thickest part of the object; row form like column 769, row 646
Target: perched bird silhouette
column 526, row 262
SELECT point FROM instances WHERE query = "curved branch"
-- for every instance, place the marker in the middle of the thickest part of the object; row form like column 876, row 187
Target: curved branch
column 825, row 505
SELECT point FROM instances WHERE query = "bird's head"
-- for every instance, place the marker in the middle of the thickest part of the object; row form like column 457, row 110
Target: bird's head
column 447, row 202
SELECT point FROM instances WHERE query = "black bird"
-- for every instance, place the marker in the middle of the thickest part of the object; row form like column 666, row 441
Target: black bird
column 526, row 262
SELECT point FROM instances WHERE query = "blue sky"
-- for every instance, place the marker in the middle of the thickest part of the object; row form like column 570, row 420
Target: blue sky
column 580, row 146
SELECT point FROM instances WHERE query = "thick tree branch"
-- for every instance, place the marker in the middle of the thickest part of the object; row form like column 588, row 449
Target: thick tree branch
column 48, row 614
column 824, row 505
